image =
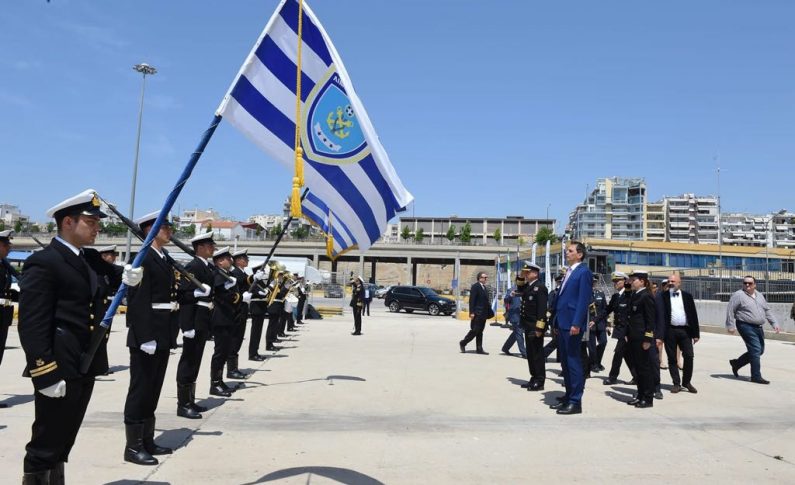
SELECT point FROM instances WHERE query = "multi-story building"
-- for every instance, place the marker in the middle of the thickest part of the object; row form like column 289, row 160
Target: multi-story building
column 197, row 216
column 741, row 229
column 613, row 210
column 267, row 221
column 10, row 215
column 510, row 230
column 691, row 219
column 656, row 222
column 782, row 229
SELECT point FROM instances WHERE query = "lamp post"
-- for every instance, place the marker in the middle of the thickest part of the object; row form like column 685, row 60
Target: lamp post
column 144, row 69
column 548, row 206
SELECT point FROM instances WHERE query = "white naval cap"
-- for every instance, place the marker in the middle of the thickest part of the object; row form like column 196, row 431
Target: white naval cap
column 528, row 266
column 204, row 237
column 85, row 203
column 619, row 275
column 107, row 249
column 240, row 253
column 149, row 219
column 224, row 251
column 7, row 234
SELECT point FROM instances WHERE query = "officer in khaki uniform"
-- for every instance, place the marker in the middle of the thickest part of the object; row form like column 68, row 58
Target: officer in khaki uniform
column 533, row 318
column 58, row 302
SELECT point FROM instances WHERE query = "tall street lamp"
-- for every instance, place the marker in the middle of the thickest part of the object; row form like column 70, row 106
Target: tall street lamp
column 144, row 69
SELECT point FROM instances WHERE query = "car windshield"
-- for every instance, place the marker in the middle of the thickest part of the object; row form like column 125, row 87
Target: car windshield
column 427, row 291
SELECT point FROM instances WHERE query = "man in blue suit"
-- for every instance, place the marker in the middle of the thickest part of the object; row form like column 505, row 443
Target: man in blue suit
column 571, row 310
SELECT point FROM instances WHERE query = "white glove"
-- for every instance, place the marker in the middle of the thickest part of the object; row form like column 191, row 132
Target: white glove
column 149, row 347
column 56, row 390
column 230, row 283
column 132, row 276
column 247, row 297
column 202, row 292
column 189, row 333
column 260, row 275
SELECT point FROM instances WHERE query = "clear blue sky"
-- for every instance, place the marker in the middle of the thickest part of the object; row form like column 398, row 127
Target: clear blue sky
column 486, row 108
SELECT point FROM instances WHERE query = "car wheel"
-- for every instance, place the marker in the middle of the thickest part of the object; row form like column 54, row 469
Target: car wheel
column 433, row 309
column 394, row 307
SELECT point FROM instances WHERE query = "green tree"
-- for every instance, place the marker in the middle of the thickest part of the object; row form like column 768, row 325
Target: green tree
column 466, row 233
column 420, row 235
column 50, row 226
column 405, row 233
column 497, row 235
column 2, row 225
column 34, row 228
column 451, row 233
column 277, row 229
column 190, row 230
column 545, row 234
column 18, row 227
column 300, row 232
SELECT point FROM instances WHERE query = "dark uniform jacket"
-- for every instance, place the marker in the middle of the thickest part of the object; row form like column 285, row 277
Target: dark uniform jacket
column 664, row 313
column 191, row 315
column 58, row 306
column 598, row 306
column 357, row 296
column 277, row 306
column 533, row 312
column 158, row 286
column 227, row 300
column 259, row 299
column 619, row 307
column 243, row 284
column 6, row 293
column 551, row 302
column 642, row 316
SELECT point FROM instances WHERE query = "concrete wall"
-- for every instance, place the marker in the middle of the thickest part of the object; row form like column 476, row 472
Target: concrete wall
column 713, row 313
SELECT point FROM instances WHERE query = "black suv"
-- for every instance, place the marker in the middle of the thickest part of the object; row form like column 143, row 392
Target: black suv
column 421, row 298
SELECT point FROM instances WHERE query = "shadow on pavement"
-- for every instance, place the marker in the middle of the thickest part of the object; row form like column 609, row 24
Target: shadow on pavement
column 516, row 382
column 341, row 475
column 629, row 391
column 136, row 482
column 214, row 402
column 180, row 437
column 618, row 396
column 118, row 368
column 16, row 399
column 728, row 376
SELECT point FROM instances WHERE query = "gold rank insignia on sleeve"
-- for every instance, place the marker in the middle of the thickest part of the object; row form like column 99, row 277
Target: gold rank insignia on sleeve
column 42, row 368
column 540, row 324
column 648, row 334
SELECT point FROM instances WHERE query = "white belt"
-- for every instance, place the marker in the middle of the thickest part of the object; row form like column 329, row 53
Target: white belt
column 205, row 304
column 170, row 306
column 6, row 302
column 259, row 299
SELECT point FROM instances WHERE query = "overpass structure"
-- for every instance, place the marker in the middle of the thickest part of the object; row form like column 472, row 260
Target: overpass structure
column 409, row 254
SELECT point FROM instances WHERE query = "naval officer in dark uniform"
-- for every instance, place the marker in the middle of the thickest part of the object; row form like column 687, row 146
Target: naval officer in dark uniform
column 244, row 280
column 58, row 305
column 227, row 300
column 533, row 318
column 258, row 308
column 152, row 311
column 194, row 321
column 7, row 295
column 619, row 307
column 642, row 319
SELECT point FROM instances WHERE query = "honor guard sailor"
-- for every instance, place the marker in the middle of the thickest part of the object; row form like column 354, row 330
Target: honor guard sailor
column 58, row 311
column 152, row 313
column 194, row 321
column 240, row 263
column 533, row 317
column 258, row 307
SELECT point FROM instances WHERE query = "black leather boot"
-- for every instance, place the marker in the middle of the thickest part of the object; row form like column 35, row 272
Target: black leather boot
column 36, row 478
column 57, row 476
column 134, row 451
column 217, row 386
column 149, row 440
column 232, row 370
column 184, row 397
column 193, row 405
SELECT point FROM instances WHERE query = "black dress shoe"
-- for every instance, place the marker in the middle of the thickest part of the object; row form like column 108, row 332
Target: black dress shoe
column 558, row 405
column 536, row 387
column 610, row 381
column 645, row 404
column 257, row 358
column 633, row 401
column 526, row 385
column 658, row 395
column 187, row 411
column 760, row 381
column 217, row 390
column 570, row 408
column 676, row 389
column 690, row 388
column 463, row 347
column 481, row 352
column 735, row 367
column 236, row 374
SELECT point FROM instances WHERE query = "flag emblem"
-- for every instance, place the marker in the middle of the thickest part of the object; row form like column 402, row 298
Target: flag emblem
column 335, row 136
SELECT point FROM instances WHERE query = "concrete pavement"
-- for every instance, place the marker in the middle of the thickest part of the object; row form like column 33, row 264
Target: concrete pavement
column 401, row 405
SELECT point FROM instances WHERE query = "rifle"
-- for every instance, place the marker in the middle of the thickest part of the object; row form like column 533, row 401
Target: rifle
column 137, row 232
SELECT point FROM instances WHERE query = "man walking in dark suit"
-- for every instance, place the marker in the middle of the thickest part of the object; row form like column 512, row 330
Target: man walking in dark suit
column 479, row 310
column 678, row 313
column 571, row 311
column 57, row 312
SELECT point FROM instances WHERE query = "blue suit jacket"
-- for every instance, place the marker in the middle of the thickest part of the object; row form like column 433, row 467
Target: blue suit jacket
column 571, row 307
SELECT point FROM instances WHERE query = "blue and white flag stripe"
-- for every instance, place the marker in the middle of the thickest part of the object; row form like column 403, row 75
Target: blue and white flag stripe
column 362, row 191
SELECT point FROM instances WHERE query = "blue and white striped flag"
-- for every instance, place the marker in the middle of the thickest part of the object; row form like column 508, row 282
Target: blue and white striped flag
column 350, row 178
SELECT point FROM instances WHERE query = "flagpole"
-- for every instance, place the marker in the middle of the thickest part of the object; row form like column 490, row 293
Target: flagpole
column 104, row 327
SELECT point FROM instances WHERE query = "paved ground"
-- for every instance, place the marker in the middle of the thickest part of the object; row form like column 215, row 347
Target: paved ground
column 400, row 404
